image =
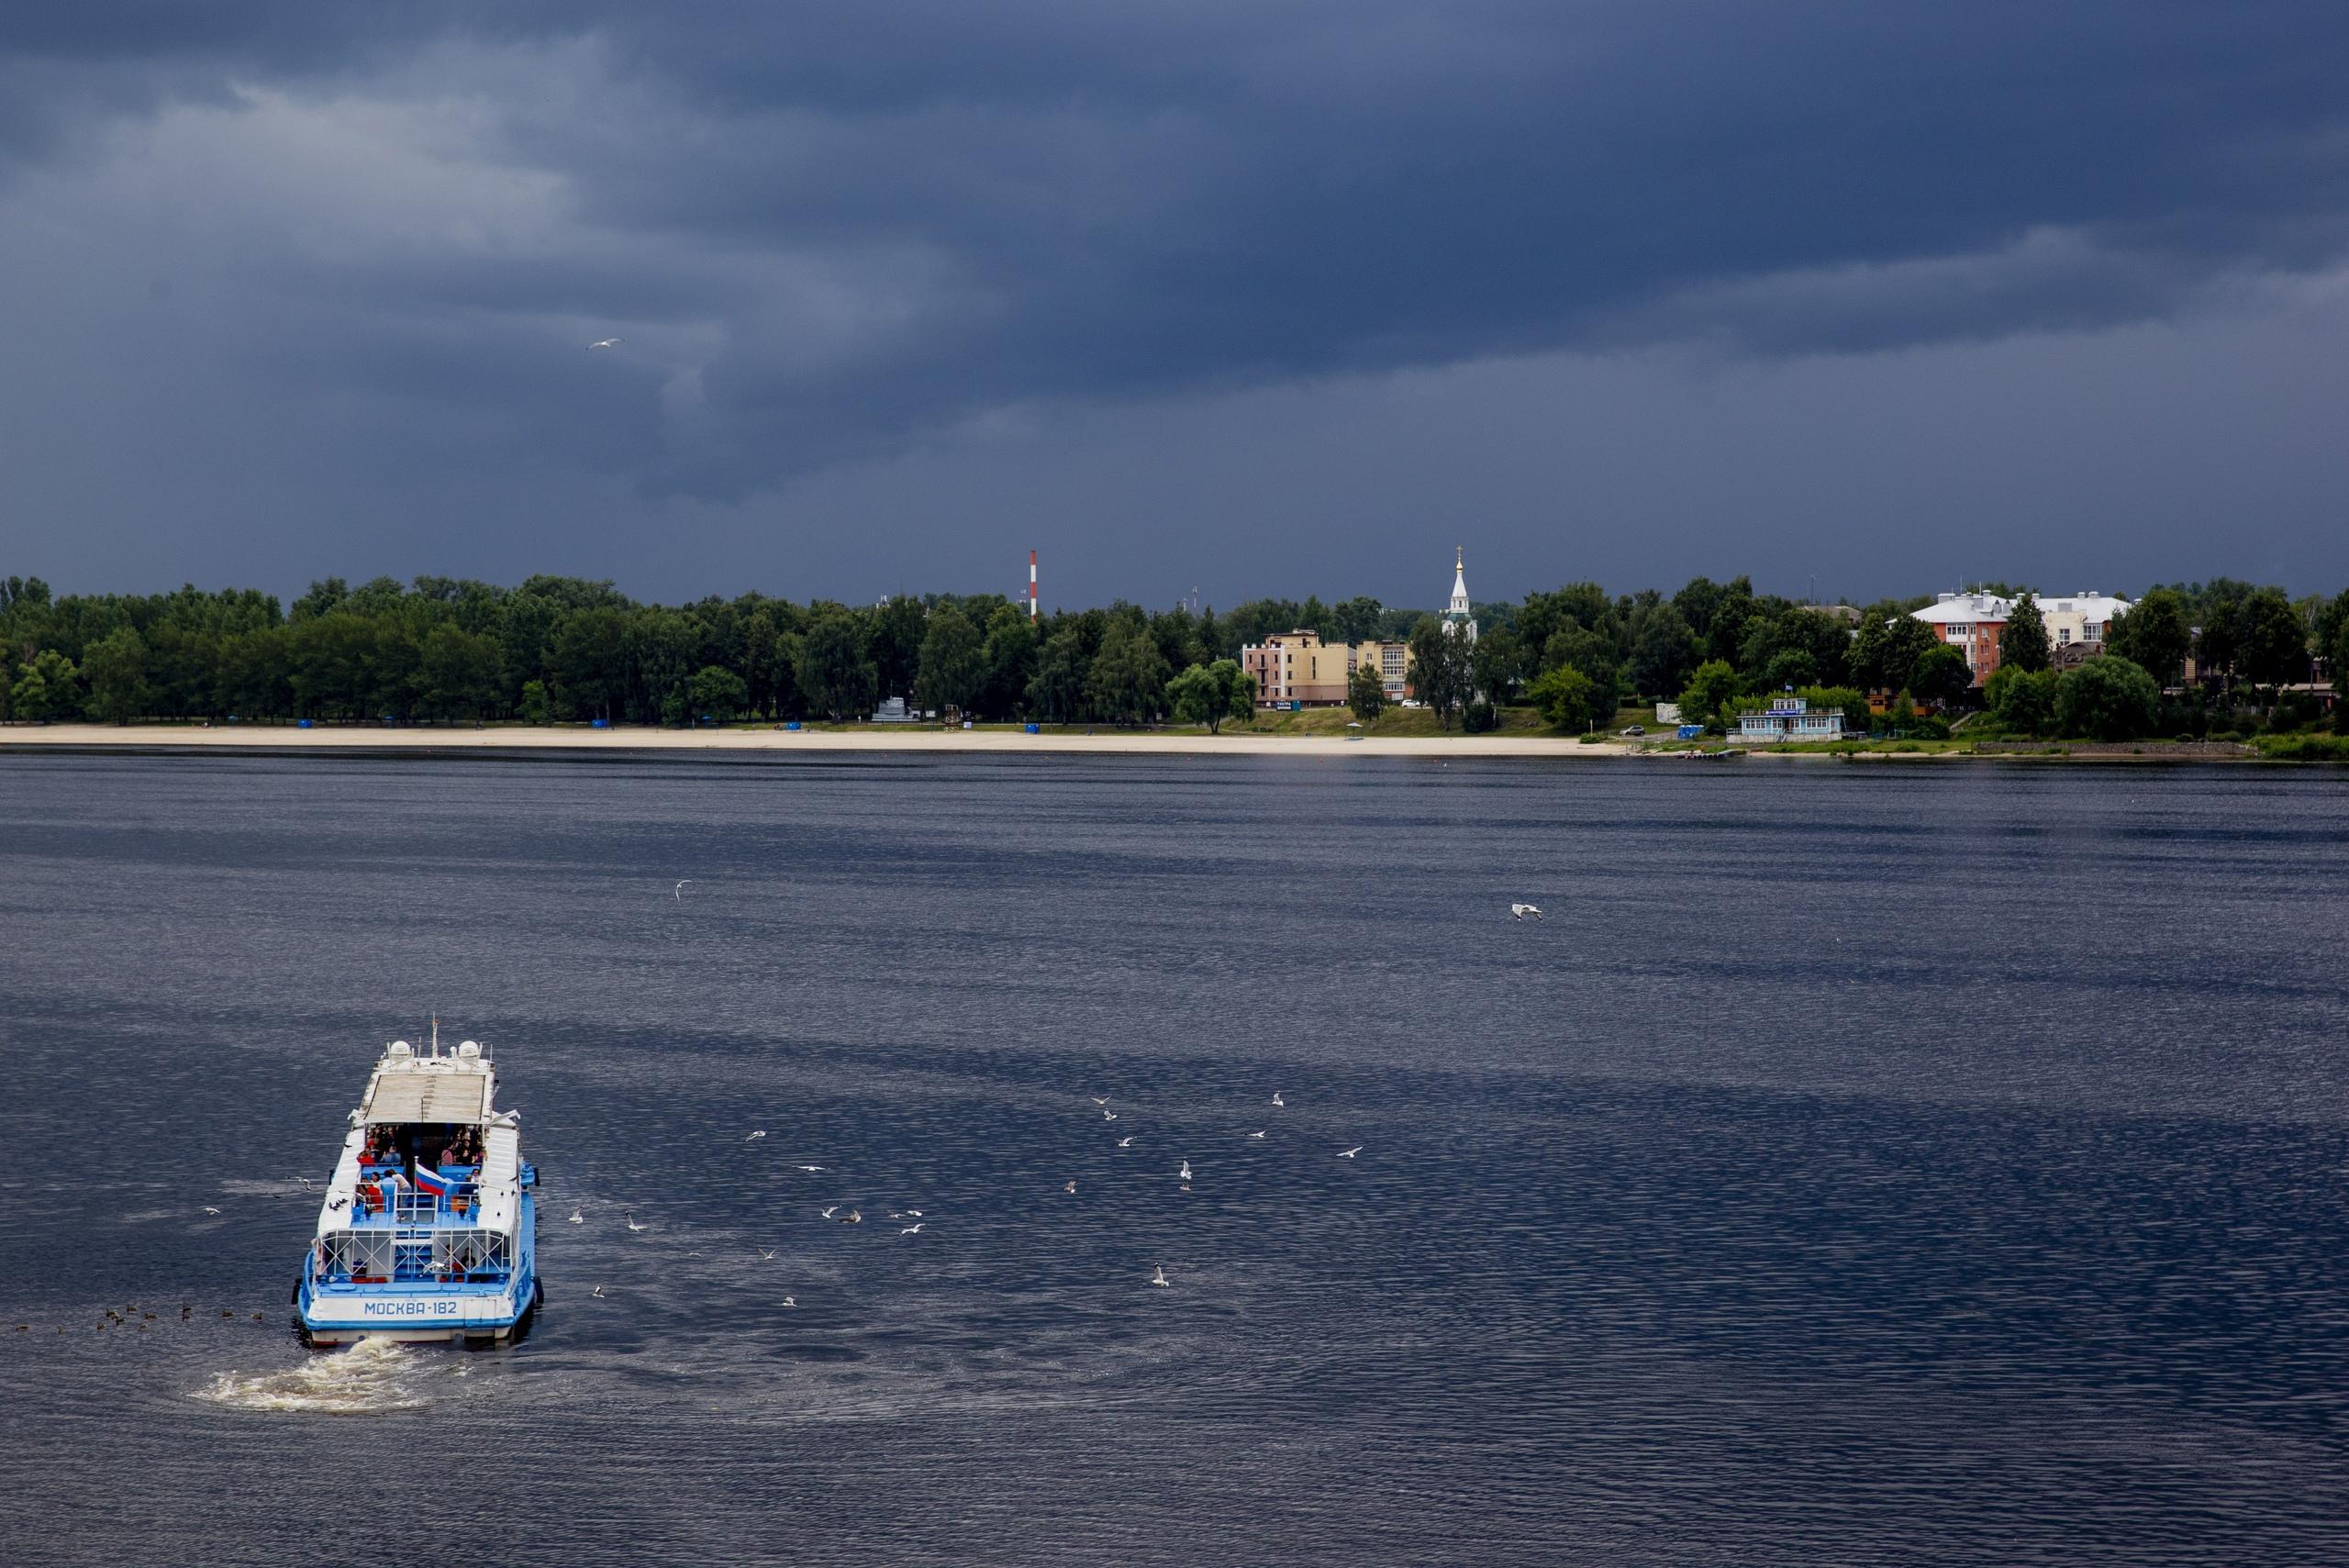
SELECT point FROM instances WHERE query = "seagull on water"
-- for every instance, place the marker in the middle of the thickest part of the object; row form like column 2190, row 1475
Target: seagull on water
column 1519, row 911
column 209, row 1209
column 606, row 342
column 1349, row 1153
column 1070, row 1188
column 305, row 1180
column 1127, row 1141
column 855, row 1217
column 679, row 891
column 1160, row 1277
column 910, row 1230
column 577, row 1218
column 1276, row 1098
column 1184, row 1173
column 632, row 1225
column 754, row 1133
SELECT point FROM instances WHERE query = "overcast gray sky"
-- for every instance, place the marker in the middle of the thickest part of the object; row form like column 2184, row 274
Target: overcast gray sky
column 1267, row 298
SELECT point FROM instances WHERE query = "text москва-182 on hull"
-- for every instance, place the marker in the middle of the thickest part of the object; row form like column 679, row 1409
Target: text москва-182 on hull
column 428, row 1227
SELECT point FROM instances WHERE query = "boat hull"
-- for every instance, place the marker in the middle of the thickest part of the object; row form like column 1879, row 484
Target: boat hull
column 421, row 1313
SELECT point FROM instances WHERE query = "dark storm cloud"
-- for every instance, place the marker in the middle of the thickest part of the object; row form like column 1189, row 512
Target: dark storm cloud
column 826, row 230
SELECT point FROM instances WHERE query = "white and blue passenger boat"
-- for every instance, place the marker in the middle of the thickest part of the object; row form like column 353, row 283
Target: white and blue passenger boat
column 428, row 1229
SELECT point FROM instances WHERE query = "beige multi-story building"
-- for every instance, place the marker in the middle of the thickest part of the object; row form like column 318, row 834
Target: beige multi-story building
column 1296, row 669
column 1393, row 662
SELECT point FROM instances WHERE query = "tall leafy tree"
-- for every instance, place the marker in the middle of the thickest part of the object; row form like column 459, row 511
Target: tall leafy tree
column 2022, row 642
column 2154, row 634
column 949, row 670
column 1063, row 665
column 1366, row 690
column 1128, row 682
column 1497, row 664
column 1010, row 660
column 2273, row 639
column 1210, row 693
column 1711, row 693
column 1664, row 649
column 900, row 628
column 1889, row 643
column 115, row 667
column 1568, row 699
column 1940, row 674
column 2107, row 699
column 836, row 678
column 1440, row 676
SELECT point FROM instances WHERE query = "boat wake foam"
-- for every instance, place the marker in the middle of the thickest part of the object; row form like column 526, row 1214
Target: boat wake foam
column 366, row 1379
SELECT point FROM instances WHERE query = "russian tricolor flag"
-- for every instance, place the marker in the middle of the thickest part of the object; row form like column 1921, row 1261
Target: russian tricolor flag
column 432, row 1181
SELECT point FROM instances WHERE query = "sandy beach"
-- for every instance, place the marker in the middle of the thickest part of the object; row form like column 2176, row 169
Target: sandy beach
column 876, row 738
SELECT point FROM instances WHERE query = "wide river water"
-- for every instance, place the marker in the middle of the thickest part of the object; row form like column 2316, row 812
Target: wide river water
column 1936, row 1165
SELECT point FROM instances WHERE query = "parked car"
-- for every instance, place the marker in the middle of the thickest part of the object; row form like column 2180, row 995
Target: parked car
column 1633, row 729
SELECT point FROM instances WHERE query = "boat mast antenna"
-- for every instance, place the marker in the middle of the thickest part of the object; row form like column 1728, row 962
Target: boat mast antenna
column 436, row 1034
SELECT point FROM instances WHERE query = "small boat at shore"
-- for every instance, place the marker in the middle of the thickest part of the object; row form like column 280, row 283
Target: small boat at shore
column 428, row 1227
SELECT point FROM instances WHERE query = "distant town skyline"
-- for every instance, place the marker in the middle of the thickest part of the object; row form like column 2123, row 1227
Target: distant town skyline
column 851, row 302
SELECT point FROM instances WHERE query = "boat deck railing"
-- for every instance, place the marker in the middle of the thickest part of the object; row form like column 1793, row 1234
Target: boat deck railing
column 389, row 1255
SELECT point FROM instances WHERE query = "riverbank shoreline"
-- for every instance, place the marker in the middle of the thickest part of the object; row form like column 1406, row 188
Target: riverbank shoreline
column 577, row 741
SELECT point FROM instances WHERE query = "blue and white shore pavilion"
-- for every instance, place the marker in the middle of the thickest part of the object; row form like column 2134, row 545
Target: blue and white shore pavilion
column 1789, row 718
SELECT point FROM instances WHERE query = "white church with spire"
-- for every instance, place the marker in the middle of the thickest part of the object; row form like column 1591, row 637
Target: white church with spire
column 1456, row 618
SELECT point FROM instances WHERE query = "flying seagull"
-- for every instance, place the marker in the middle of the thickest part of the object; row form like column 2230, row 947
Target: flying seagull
column 1184, row 1173
column 1127, row 1141
column 790, row 1301
column 597, row 1293
column 759, row 1132
column 809, row 1169
column 1160, row 1277
column 1109, row 1116
column 578, row 1218
column 1349, row 1153
column 1519, row 911
column 632, row 1225
column 679, row 891
column 1255, row 1135
column 606, row 342
column 1100, row 1099
column 209, row 1209
column 1070, row 1188
column 831, row 1211
column 910, row 1230
column 1276, row 1098
column 767, row 1255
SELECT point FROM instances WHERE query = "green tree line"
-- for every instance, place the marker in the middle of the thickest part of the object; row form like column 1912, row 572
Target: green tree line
column 560, row 649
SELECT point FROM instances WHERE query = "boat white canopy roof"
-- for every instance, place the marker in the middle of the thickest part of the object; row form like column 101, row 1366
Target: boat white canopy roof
column 407, row 1088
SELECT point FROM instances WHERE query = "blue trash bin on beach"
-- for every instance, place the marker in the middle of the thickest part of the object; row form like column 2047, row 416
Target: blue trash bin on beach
column 600, row 724
column 1035, row 729
column 793, row 725
column 305, row 724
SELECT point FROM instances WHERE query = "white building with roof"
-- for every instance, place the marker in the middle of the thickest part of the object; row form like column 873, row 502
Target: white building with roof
column 1456, row 618
column 2077, row 625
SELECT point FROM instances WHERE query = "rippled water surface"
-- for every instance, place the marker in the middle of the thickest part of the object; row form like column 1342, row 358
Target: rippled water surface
column 1858, row 1165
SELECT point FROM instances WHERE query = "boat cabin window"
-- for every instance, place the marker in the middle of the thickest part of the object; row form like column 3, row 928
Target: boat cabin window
column 432, row 1145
